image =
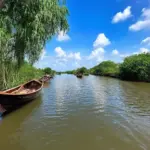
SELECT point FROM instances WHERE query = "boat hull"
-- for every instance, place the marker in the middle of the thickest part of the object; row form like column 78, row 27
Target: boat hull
column 20, row 95
column 45, row 79
column 13, row 101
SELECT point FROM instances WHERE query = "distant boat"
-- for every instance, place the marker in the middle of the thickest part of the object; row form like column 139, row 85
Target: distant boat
column 19, row 95
column 45, row 78
column 79, row 75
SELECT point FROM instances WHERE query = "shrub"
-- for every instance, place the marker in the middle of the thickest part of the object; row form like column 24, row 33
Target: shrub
column 136, row 68
column 106, row 68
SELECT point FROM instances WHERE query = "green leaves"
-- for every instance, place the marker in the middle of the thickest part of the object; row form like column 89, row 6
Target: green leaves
column 105, row 68
column 82, row 70
column 136, row 67
column 25, row 26
column 47, row 70
column 34, row 22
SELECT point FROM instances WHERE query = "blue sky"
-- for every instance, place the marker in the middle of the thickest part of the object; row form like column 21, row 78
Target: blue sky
column 99, row 30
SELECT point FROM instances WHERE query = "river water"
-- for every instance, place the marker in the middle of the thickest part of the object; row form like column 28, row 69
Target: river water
column 93, row 113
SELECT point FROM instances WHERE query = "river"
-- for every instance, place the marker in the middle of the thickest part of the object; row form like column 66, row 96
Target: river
column 93, row 113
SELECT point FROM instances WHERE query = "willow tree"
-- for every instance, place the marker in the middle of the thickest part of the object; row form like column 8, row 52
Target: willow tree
column 30, row 23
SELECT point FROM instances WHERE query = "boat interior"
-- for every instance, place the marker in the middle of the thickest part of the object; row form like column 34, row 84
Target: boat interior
column 29, row 87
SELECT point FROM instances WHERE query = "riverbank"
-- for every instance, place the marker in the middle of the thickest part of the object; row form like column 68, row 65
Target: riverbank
column 19, row 76
column 26, row 73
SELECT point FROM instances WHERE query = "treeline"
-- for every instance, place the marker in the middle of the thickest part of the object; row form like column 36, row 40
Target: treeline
column 106, row 68
column 81, row 70
column 49, row 71
column 133, row 68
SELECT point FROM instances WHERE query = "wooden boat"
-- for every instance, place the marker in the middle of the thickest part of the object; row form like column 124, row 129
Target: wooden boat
column 79, row 75
column 45, row 78
column 21, row 94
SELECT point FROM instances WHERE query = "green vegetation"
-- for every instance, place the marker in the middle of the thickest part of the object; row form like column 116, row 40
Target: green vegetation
column 49, row 71
column 82, row 70
column 25, row 33
column 136, row 67
column 106, row 68
column 25, row 73
column 59, row 73
column 69, row 72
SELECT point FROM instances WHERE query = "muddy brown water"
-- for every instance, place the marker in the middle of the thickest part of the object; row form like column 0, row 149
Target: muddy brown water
column 92, row 113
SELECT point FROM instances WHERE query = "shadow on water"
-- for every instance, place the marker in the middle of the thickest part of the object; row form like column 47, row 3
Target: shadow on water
column 10, row 124
column 46, row 84
column 32, row 104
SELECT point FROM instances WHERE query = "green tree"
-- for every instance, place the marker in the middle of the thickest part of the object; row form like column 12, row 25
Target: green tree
column 105, row 68
column 136, row 67
column 25, row 26
column 31, row 23
column 82, row 70
column 47, row 70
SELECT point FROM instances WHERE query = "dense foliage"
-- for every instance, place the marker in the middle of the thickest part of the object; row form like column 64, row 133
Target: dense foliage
column 136, row 67
column 106, row 68
column 30, row 23
column 25, row 73
column 47, row 70
column 82, row 70
column 25, row 27
column 69, row 72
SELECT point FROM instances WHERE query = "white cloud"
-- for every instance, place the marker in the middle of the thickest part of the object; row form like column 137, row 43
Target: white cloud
column 76, row 64
column 143, row 50
column 101, row 41
column 124, row 55
column 143, row 23
column 146, row 41
column 97, row 54
column 115, row 52
column 60, row 52
column 63, row 55
column 146, row 13
column 76, row 56
column 140, row 25
column 64, row 58
column 62, row 36
column 44, row 62
column 122, row 16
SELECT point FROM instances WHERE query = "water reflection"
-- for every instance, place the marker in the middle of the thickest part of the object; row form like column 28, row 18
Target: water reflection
column 10, row 126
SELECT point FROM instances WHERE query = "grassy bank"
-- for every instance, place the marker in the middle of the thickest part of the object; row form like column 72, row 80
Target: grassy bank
column 25, row 73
